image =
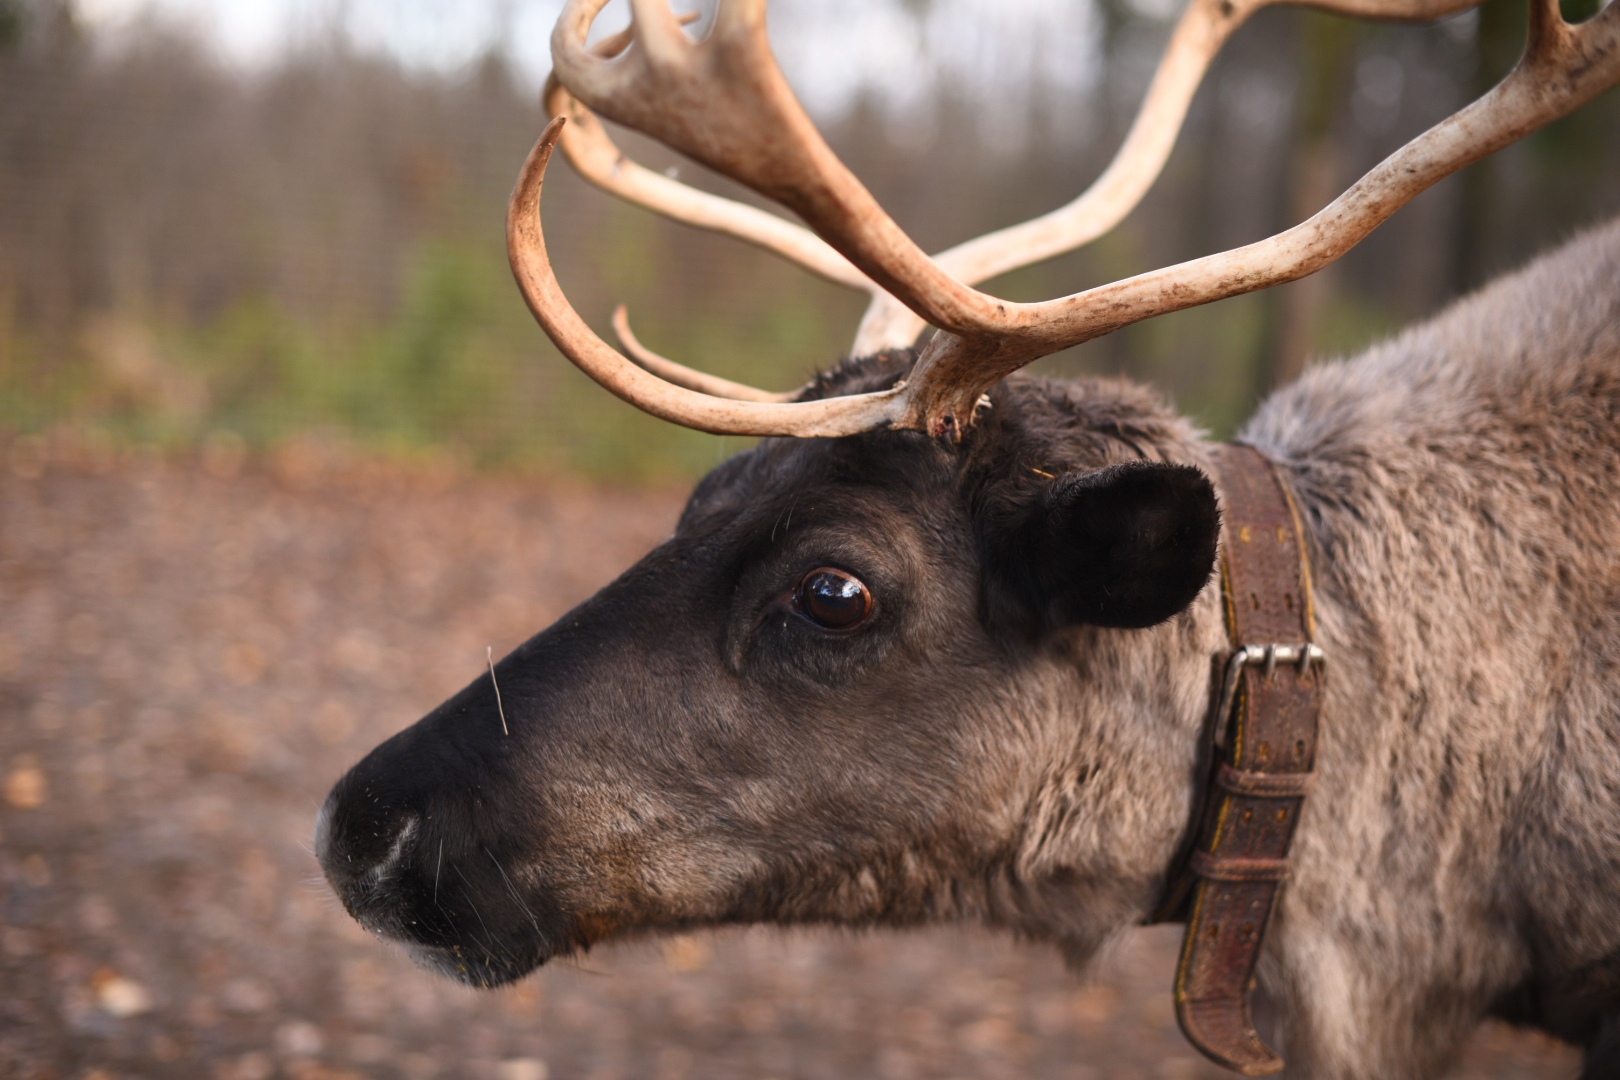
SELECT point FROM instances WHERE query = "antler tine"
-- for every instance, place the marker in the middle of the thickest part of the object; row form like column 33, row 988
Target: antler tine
column 1563, row 67
column 1203, row 30
column 680, row 374
column 531, row 265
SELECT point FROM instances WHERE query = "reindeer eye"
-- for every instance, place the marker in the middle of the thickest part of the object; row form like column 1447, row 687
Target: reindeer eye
column 833, row 599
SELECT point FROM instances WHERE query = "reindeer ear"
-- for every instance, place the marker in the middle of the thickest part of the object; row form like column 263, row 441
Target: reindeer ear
column 1126, row 546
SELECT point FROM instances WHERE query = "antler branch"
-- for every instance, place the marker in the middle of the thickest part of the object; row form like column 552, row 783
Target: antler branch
column 599, row 160
column 593, row 153
column 680, row 374
column 1203, row 30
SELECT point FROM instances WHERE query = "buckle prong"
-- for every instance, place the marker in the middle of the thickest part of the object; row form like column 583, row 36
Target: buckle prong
column 1303, row 656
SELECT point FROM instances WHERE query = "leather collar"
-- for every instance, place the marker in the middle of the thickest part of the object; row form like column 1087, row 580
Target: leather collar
column 1258, row 755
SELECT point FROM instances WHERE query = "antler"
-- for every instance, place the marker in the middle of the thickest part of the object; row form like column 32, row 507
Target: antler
column 887, row 323
column 723, row 102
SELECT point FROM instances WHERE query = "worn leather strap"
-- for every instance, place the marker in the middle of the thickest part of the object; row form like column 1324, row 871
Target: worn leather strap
column 1262, row 772
column 1240, row 782
column 1236, row 868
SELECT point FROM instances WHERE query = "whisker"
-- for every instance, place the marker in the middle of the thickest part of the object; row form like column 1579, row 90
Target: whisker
column 476, row 913
column 489, row 657
column 513, row 890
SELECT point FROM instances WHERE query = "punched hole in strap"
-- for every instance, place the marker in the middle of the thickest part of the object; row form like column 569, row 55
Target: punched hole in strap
column 1234, row 868
column 1272, row 785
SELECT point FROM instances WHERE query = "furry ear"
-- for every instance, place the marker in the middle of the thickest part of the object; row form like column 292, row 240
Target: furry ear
column 1126, row 546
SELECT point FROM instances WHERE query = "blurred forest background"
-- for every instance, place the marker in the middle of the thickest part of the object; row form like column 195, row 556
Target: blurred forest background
column 198, row 251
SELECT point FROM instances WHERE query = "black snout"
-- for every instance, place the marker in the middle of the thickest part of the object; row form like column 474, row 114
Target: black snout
column 369, row 834
column 409, row 842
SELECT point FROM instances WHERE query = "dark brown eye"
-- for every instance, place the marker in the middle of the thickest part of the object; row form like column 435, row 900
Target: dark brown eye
column 833, row 599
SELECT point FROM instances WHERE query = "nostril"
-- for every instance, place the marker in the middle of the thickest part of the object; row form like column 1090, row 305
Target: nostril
column 372, row 832
column 396, row 849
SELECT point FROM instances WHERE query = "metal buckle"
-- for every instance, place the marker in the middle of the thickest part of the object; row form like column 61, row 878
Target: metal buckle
column 1256, row 655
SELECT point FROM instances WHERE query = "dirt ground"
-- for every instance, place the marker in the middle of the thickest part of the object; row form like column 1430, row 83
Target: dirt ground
column 191, row 652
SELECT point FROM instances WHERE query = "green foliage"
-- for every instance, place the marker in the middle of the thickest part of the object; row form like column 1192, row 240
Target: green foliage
column 1329, row 49
column 458, row 368
column 11, row 24
column 1579, row 10
column 1349, row 323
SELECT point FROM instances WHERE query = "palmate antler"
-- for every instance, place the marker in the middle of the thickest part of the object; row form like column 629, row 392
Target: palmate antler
column 723, row 102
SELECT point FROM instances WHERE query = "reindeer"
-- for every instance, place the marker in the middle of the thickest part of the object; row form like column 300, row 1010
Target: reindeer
column 946, row 646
